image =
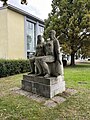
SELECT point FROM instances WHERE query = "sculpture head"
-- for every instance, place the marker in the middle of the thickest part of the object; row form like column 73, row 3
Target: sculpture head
column 39, row 39
column 52, row 34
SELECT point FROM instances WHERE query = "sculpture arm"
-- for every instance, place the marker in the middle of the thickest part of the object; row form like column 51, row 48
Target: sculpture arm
column 57, row 51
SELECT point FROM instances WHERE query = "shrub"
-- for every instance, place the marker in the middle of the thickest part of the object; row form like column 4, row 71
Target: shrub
column 12, row 67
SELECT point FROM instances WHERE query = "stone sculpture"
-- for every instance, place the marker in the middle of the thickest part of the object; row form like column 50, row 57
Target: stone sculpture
column 46, row 77
column 52, row 61
column 39, row 52
column 39, row 55
column 48, row 58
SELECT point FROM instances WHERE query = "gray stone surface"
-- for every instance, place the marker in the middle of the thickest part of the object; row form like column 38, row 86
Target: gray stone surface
column 52, row 51
column 71, row 91
column 47, row 102
column 30, row 95
column 58, row 99
column 50, row 103
column 47, row 87
column 48, row 57
column 54, row 101
column 35, row 66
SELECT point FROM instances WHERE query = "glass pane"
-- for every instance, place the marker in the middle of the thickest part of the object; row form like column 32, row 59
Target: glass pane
column 30, row 36
column 41, row 30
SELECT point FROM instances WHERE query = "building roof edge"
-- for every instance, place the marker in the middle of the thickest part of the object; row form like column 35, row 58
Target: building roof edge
column 23, row 12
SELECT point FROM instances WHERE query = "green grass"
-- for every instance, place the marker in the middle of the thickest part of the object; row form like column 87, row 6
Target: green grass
column 78, row 74
column 77, row 107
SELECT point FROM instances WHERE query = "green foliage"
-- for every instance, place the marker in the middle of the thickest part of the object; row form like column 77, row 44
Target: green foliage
column 11, row 67
column 85, row 48
column 71, row 20
column 4, row 2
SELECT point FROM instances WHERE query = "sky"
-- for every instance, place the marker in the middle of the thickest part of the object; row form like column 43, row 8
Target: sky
column 43, row 6
column 39, row 8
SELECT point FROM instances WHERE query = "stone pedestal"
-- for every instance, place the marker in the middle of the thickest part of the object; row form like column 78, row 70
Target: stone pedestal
column 47, row 87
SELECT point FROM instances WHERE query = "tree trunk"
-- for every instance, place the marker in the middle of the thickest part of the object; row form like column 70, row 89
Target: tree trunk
column 72, row 59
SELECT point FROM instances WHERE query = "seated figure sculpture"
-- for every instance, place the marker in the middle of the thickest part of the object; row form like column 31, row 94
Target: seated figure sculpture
column 48, row 64
column 48, row 58
column 52, row 57
column 39, row 52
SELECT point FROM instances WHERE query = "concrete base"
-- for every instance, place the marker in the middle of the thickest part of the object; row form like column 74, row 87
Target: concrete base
column 47, row 87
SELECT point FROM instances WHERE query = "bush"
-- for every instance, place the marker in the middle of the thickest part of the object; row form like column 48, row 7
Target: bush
column 12, row 67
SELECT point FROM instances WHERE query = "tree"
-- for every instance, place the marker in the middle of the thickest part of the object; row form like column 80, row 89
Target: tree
column 71, row 20
column 85, row 49
column 24, row 2
column 5, row 2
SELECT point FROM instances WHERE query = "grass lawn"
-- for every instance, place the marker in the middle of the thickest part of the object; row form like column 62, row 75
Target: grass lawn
column 77, row 107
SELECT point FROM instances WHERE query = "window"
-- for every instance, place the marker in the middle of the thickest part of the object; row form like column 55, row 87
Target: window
column 41, row 30
column 30, row 36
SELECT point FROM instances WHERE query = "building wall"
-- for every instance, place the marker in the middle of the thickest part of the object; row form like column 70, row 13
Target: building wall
column 16, row 47
column 3, row 34
column 13, row 34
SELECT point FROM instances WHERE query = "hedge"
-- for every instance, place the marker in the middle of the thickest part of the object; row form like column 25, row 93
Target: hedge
column 12, row 67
